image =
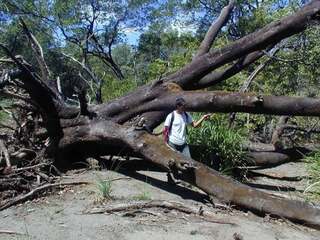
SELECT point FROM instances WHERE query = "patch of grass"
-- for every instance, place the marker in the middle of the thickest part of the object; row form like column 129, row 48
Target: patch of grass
column 216, row 137
column 313, row 167
column 105, row 189
column 142, row 196
column 3, row 105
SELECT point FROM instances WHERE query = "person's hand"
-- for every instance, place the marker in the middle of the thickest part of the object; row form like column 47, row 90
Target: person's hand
column 206, row 116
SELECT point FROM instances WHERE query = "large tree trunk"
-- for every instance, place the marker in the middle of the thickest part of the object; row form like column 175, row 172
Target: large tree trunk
column 96, row 130
column 209, row 180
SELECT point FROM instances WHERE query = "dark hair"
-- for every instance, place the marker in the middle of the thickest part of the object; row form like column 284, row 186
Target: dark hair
column 180, row 102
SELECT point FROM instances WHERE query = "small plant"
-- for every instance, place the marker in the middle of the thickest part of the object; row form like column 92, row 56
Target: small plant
column 105, row 189
column 143, row 196
column 3, row 114
column 313, row 167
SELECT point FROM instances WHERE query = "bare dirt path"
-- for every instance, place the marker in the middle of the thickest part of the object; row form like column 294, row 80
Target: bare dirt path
column 61, row 215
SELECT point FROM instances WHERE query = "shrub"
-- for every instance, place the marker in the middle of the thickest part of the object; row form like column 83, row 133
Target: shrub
column 313, row 167
column 215, row 137
column 114, row 88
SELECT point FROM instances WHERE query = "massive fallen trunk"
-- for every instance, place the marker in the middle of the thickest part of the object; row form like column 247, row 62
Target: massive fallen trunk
column 209, row 180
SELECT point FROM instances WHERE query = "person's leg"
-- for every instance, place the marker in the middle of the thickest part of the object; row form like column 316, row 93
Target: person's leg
column 186, row 151
column 170, row 178
column 173, row 146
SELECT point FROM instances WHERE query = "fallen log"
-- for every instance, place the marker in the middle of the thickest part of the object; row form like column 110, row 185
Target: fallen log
column 195, row 173
column 275, row 158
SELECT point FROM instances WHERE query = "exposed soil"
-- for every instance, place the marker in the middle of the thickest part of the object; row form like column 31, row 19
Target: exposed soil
column 61, row 214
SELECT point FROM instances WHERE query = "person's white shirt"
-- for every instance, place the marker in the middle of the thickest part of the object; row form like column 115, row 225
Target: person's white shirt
column 177, row 134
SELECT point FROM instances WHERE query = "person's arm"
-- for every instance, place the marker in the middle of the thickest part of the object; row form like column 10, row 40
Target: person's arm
column 198, row 123
column 165, row 130
column 165, row 133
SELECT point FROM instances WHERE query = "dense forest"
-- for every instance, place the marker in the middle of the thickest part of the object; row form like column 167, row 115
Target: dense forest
column 92, row 79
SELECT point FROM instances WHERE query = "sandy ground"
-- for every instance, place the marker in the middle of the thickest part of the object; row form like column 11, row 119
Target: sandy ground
column 61, row 215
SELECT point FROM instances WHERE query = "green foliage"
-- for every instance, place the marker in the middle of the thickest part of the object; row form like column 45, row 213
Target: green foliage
column 114, row 88
column 215, row 136
column 143, row 196
column 157, row 69
column 4, row 103
column 313, row 167
column 105, row 188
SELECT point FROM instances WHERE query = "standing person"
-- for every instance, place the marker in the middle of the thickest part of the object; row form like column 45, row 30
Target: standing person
column 175, row 127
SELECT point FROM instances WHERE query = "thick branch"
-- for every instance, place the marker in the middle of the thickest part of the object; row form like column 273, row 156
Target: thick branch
column 226, row 102
column 36, row 47
column 269, row 35
column 218, row 76
column 214, row 29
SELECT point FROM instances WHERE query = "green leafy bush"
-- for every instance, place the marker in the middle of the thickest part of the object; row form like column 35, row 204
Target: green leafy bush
column 114, row 88
column 313, row 167
column 214, row 136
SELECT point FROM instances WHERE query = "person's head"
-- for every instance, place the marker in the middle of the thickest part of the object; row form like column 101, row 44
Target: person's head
column 180, row 104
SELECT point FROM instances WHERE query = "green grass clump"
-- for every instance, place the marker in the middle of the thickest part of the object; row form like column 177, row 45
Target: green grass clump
column 313, row 167
column 143, row 196
column 105, row 189
column 215, row 136
column 4, row 116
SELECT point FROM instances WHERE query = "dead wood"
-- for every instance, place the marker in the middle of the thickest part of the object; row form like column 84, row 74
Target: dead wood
column 275, row 140
column 120, row 207
column 4, row 152
column 252, row 173
column 2, row 231
column 276, row 157
column 35, row 191
column 36, row 47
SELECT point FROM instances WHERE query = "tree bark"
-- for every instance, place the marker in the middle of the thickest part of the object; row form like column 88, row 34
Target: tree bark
column 209, row 180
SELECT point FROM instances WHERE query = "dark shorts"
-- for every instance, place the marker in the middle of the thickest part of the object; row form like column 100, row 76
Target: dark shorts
column 184, row 149
column 177, row 147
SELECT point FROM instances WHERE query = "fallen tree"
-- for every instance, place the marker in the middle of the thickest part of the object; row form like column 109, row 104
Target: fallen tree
column 110, row 128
